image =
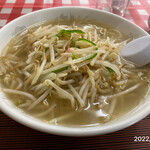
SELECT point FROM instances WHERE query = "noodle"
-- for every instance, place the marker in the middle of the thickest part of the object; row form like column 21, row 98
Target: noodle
column 20, row 93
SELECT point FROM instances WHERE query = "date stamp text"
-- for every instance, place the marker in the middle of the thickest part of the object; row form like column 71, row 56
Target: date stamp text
column 141, row 139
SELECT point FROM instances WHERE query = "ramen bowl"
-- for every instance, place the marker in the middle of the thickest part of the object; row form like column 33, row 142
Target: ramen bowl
column 17, row 25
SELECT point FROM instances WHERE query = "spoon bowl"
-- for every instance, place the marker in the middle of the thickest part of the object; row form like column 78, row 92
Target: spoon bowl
column 137, row 51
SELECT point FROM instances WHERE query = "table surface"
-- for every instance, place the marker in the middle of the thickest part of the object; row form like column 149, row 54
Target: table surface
column 16, row 136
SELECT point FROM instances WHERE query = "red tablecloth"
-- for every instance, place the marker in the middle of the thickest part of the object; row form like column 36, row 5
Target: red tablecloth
column 16, row 136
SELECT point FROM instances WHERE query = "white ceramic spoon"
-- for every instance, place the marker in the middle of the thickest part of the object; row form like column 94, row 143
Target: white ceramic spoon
column 137, row 51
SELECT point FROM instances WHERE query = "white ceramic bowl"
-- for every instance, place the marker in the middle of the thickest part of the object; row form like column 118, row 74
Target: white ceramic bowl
column 69, row 12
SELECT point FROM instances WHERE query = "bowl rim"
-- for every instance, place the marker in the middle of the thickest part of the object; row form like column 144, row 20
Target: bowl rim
column 27, row 120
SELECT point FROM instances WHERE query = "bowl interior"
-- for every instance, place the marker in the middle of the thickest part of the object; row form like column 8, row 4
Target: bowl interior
column 7, row 32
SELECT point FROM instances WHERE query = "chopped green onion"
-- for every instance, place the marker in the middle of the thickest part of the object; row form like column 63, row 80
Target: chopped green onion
column 76, row 31
column 60, row 69
column 82, row 39
column 64, row 32
column 73, row 43
column 110, row 70
column 74, row 56
column 94, row 55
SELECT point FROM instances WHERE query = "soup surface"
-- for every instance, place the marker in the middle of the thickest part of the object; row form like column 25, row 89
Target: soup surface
column 71, row 73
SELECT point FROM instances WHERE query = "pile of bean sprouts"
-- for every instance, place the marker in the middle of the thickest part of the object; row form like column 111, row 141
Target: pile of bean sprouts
column 78, row 64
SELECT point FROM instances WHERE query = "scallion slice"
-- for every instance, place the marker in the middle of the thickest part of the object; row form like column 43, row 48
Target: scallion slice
column 60, row 69
column 86, row 40
column 94, row 55
column 64, row 32
column 110, row 70
column 74, row 56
